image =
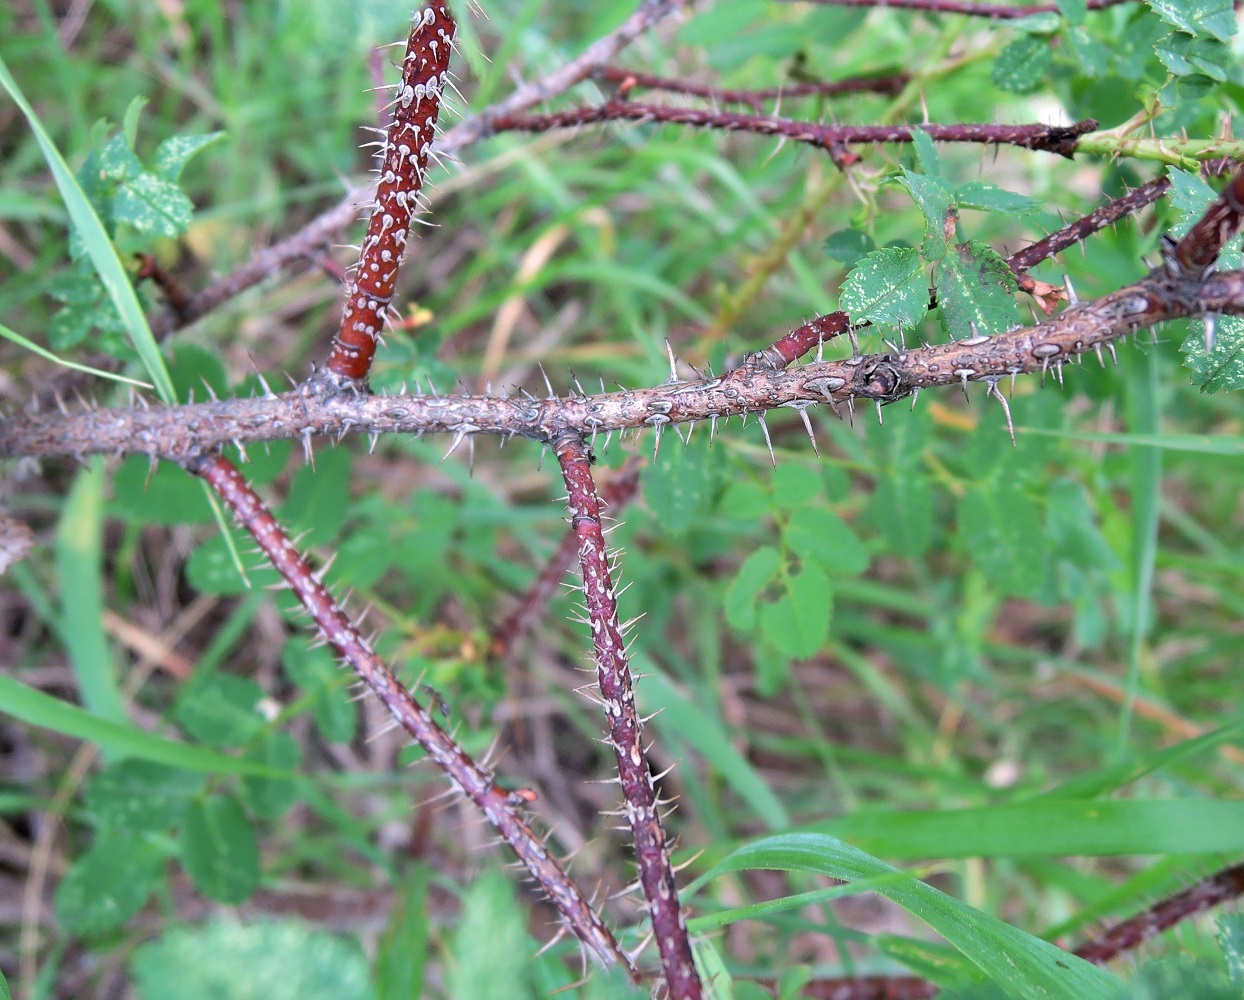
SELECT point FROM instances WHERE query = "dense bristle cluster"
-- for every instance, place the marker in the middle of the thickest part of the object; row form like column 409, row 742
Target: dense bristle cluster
column 403, row 165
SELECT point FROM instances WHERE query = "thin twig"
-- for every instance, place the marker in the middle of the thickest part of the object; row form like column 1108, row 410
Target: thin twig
column 756, row 98
column 1060, row 139
column 617, row 697
column 477, row 784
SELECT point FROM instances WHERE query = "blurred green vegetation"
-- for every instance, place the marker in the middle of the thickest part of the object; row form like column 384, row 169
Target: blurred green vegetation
column 919, row 621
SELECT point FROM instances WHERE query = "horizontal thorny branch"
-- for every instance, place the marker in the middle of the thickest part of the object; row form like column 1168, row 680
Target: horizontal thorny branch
column 182, row 433
column 1060, row 139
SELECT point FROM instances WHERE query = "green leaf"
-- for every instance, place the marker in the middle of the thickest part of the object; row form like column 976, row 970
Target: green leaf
column 991, row 198
column 1223, row 368
column 936, row 203
column 888, row 286
column 1197, row 17
column 221, row 710
column 172, row 155
column 1048, row 827
column 996, row 523
column 108, row 884
column 1184, row 56
column 1231, row 940
column 502, row 970
column 212, row 570
column 820, row 534
column 681, row 719
column 903, row 505
column 225, row 960
column 1022, row 965
column 1021, row 65
column 271, row 797
column 98, row 245
column 975, row 292
column 140, row 796
column 39, row 709
column 795, row 485
column 79, row 570
column 847, row 246
column 219, row 849
column 318, row 674
column 743, row 594
column 926, row 154
column 402, row 950
column 798, row 623
column 167, row 494
column 153, row 206
column 1073, row 10
column 676, row 487
column 746, row 500
column 319, row 496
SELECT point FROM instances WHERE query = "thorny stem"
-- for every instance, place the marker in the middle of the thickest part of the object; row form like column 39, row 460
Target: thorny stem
column 616, row 493
column 991, row 10
column 343, row 636
column 823, row 329
column 617, row 696
column 182, row 433
column 1060, row 139
column 403, row 161
column 321, row 230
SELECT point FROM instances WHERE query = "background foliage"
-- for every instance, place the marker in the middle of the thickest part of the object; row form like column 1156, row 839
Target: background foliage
column 922, row 620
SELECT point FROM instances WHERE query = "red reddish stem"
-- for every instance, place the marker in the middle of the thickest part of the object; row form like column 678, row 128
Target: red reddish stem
column 613, row 674
column 341, row 634
column 1049, row 138
column 616, row 493
column 403, row 165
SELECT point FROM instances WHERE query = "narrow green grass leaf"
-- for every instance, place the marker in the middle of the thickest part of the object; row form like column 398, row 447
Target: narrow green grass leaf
column 491, row 946
column 1202, row 444
column 38, row 709
column 1022, row 965
column 47, row 355
column 403, row 947
column 1048, row 827
column 79, row 570
column 98, row 246
column 682, row 720
column 1146, row 477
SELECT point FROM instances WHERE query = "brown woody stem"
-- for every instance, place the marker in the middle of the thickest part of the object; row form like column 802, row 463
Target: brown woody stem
column 1058, row 139
column 182, row 433
column 345, row 639
column 617, row 695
